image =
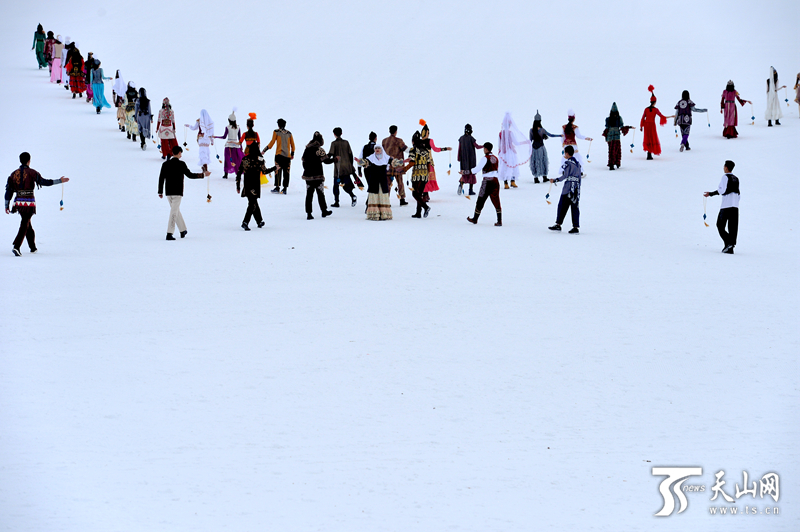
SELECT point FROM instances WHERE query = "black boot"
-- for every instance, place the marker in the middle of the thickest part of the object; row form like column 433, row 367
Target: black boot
column 474, row 219
column 649, row 156
column 133, row 137
column 777, row 123
column 499, row 220
column 170, row 237
column 544, row 179
column 769, row 122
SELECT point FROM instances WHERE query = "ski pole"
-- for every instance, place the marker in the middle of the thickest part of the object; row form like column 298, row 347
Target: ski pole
column 633, row 139
column 547, row 196
column 705, row 200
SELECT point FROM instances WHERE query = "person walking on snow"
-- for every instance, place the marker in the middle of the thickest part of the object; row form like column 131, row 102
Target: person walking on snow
column 118, row 90
column 98, row 88
column 130, row 111
column 375, row 172
column 144, row 116
column 490, row 186
column 730, row 118
column 570, row 192
column 250, row 136
column 251, row 167
column 165, row 129
column 283, row 141
column 773, row 111
column 648, row 124
column 395, row 148
column 569, row 135
column 431, row 185
column 56, row 67
column 614, row 125
column 513, row 151
column 20, row 186
column 170, row 182
column 683, row 117
column 367, row 150
column 77, row 78
column 419, row 157
column 88, row 65
column 343, row 168
column 205, row 138
column 729, row 208
column 466, row 157
column 48, row 50
column 39, row 37
column 313, row 158
column 540, row 163
column 233, row 148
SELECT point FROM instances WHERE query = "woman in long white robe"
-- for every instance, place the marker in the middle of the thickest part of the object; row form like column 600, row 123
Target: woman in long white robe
column 773, row 111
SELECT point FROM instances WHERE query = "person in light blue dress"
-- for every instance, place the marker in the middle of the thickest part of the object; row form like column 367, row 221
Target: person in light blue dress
column 98, row 89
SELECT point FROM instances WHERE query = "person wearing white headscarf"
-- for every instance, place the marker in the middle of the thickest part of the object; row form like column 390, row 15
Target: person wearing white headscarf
column 378, row 203
column 205, row 137
column 773, row 111
column 118, row 98
column 513, row 150
column 64, row 55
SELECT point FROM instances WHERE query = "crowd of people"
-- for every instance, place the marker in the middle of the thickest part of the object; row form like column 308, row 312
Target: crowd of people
column 383, row 166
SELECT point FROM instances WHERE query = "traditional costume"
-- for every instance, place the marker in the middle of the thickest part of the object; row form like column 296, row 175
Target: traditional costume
column 420, row 156
column 378, row 203
column 118, row 97
column 55, row 67
column 431, row 185
column 144, row 116
column 48, row 50
column 683, row 117
column 313, row 158
column 205, row 138
column 570, row 194
column 22, row 183
column 395, row 148
column 540, row 163
column 251, row 167
column 98, row 88
column 130, row 110
column 77, row 77
column 39, row 37
column 165, row 129
column 570, row 133
column 648, row 124
column 233, row 147
column 490, row 187
column 614, row 125
column 513, row 150
column 466, row 157
column 773, row 111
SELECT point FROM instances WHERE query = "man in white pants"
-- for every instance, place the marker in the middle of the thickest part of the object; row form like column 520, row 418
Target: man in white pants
column 172, row 173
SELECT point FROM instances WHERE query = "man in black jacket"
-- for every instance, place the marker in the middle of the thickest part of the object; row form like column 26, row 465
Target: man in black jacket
column 313, row 158
column 172, row 173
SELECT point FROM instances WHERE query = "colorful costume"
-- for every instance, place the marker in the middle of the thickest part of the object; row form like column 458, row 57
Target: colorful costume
column 130, row 110
column 730, row 117
column 773, row 111
column 98, row 88
column 648, row 124
column 683, row 117
column 55, row 67
column 22, row 182
column 540, row 163
column 165, row 129
column 513, row 150
column 39, row 37
column 490, row 187
column 378, row 204
column 233, row 147
column 205, row 135
column 466, row 157
column 77, row 77
column 614, row 126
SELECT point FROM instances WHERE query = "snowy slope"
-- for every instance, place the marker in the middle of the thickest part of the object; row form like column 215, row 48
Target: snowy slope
column 415, row 374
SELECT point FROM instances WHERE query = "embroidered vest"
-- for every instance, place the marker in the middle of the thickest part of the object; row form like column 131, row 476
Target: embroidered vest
column 491, row 164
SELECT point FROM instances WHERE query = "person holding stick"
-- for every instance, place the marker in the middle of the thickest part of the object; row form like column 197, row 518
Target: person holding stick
column 729, row 209
column 21, row 183
column 730, row 115
column 490, row 186
column 773, row 111
column 570, row 192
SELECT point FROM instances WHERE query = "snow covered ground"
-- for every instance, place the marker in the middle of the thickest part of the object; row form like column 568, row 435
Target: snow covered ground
column 340, row 374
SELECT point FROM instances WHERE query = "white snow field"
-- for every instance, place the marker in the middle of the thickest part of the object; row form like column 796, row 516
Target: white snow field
column 346, row 375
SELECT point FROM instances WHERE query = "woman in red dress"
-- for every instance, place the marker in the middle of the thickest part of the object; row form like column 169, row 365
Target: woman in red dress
column 648, row 124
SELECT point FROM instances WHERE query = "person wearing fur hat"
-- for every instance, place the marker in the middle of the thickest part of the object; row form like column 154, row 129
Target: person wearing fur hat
column 165, row 129
column 343, row 155
column 683, row 117
column 98, row 88
column 144, row 116
column 648, row 124
column 313, row 158
column 205, row 138
column 490, row 186
column 614, row 125
column 283, row 141
column 77, row 77
column 233, row 147
column 773, row 111
column 395, row 148
column 252, row 166
column 39, row 37
column 539, row 161
column 431, row 185
column 131, row 95
column 55, row 66
column 730, row 115
column 570, row 132
column 466, row 157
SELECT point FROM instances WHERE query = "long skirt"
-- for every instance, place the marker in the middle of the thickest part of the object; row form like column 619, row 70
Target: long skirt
column 432, row 185
column 40, row 58
column 99, row 99
column 121, row 118
column 508, row 172
column 378, row 206
column 539, row 162
column 130, row 122
column 614, row 153
column 233, row 157
column 203, row 155
column 167, row 145
column 468, row 179
column 730, row 132
column 55, row 73
column 90, row 90
column 143, row 123
column 77, row 83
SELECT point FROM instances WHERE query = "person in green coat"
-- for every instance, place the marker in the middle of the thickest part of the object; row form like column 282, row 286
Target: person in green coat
column 38, row 43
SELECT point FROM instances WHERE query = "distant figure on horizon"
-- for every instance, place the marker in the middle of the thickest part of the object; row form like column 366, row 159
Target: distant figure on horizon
column 22, row 183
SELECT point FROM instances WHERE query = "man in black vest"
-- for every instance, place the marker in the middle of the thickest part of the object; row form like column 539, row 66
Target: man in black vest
column 490, row 187
column 729, row 208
